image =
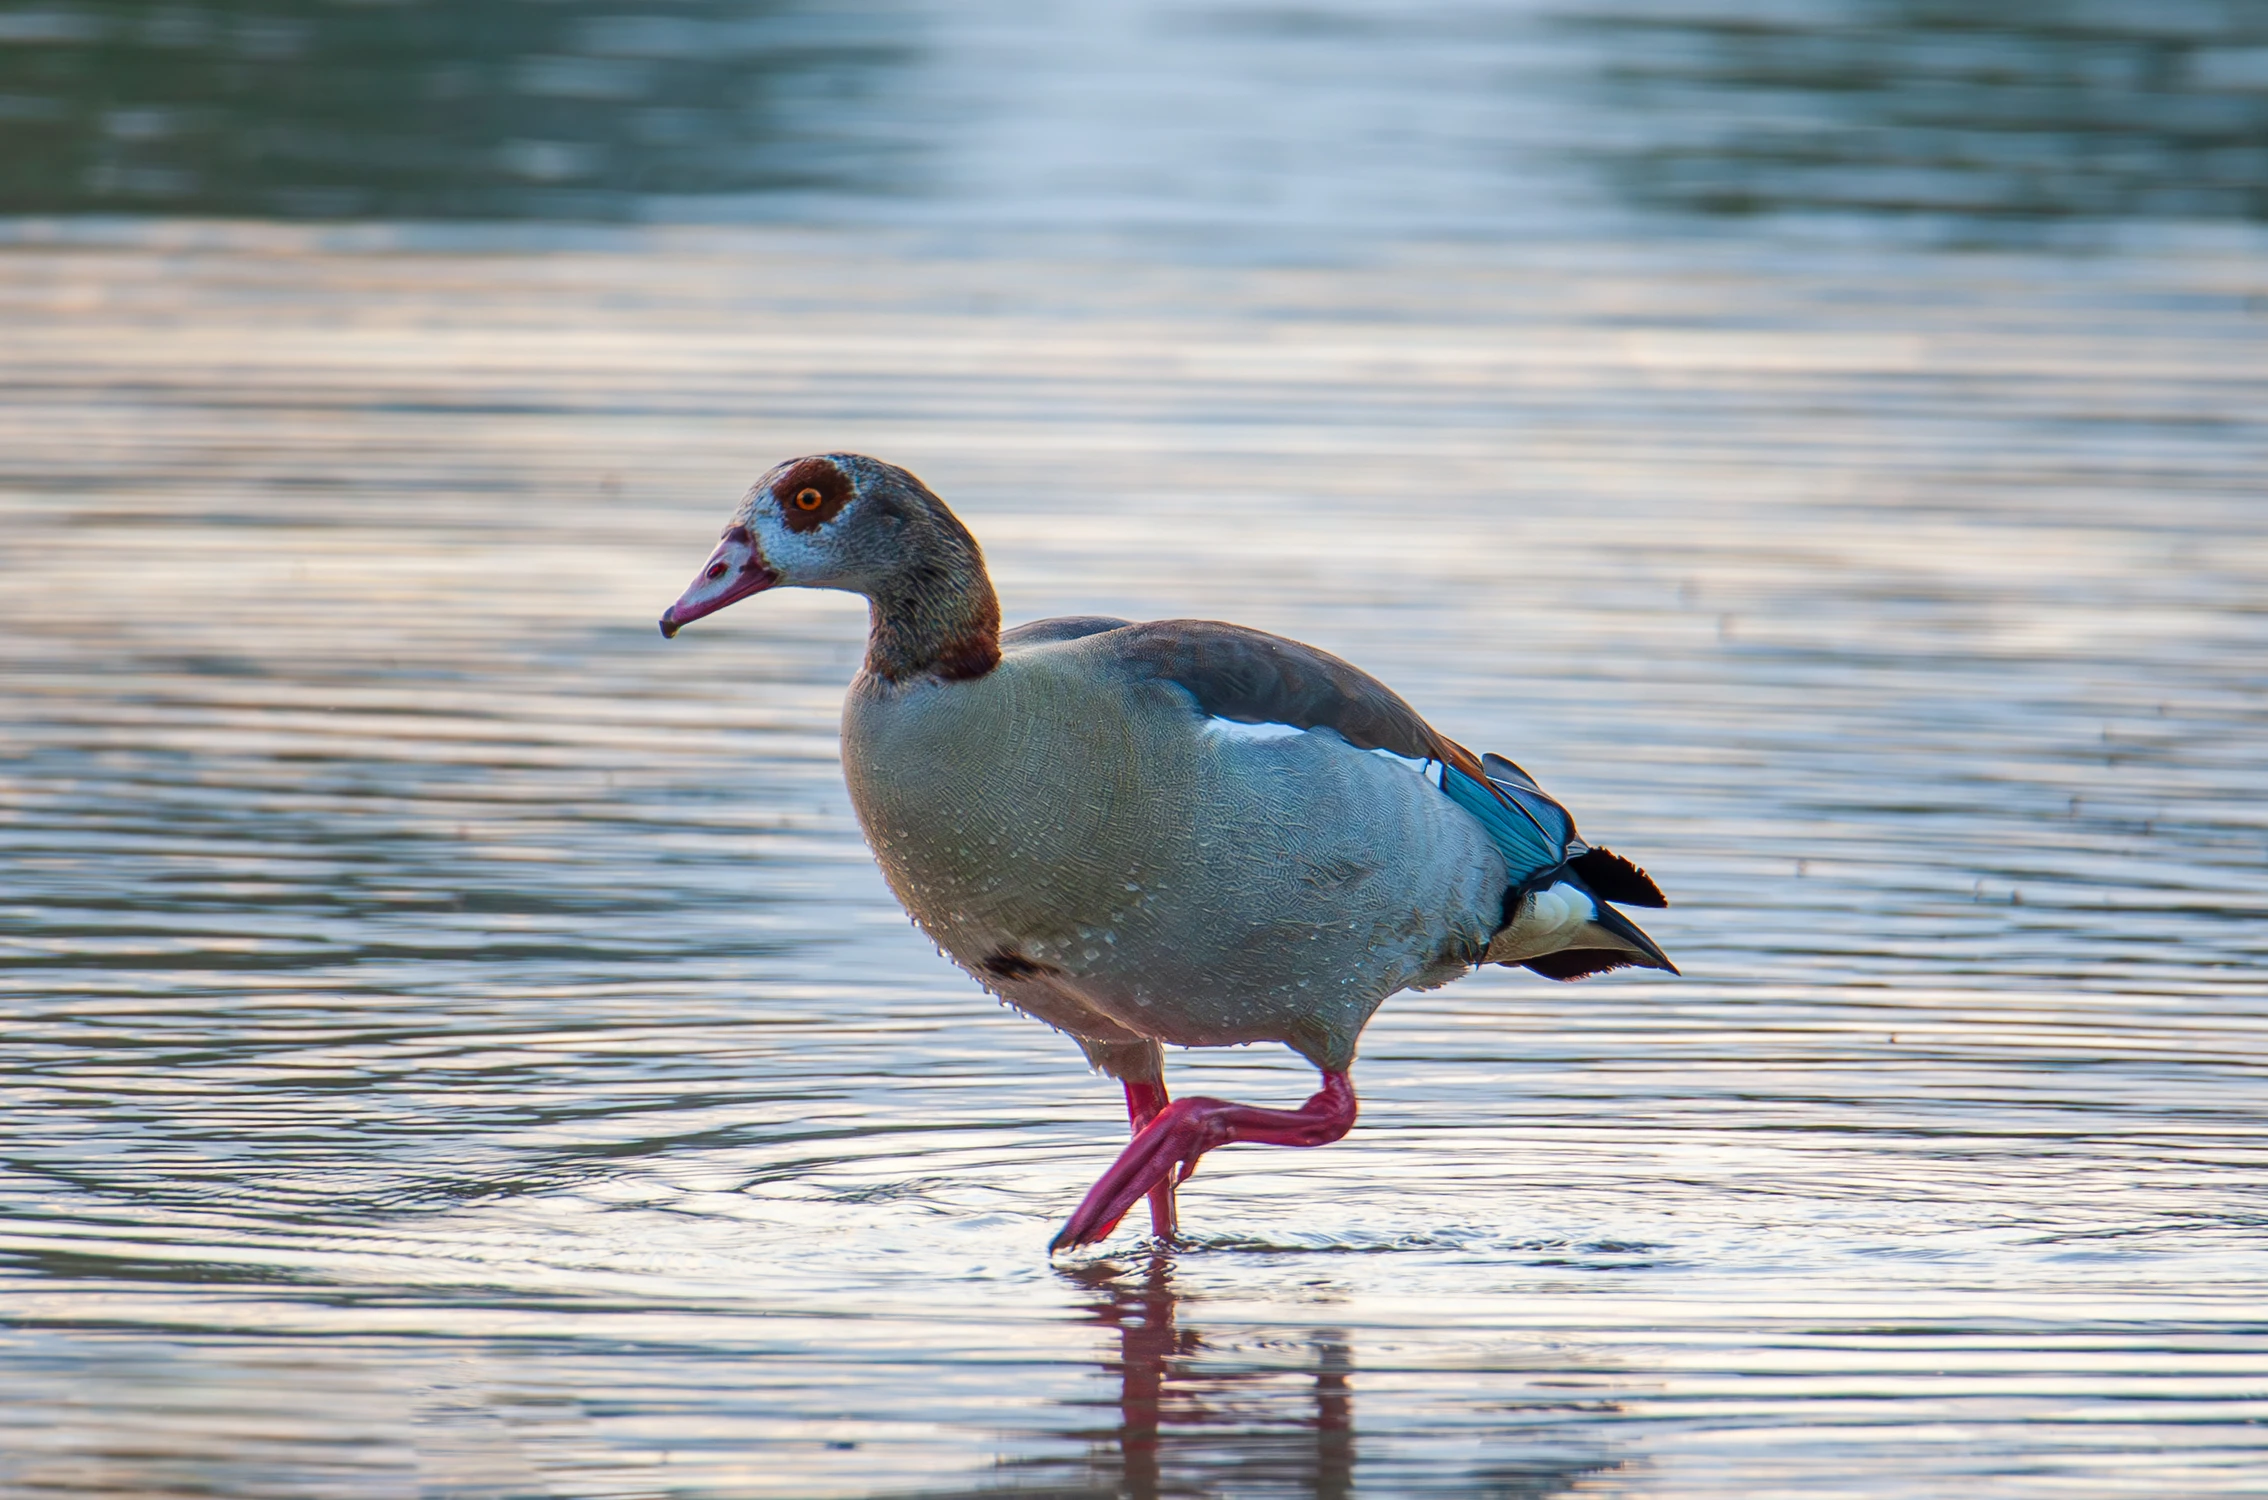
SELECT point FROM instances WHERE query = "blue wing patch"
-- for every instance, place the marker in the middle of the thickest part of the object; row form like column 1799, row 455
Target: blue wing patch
column 1533, row 832
column 1556, row 822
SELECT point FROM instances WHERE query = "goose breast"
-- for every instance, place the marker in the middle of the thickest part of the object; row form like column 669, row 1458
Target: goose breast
column 1066, row 828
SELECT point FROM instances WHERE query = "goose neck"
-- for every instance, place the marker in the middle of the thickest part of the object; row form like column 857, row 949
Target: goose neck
column 934, row 621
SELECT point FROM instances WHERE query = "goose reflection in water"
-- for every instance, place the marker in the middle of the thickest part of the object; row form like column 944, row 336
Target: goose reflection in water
column 1201, row 1419
column 1220, row 1420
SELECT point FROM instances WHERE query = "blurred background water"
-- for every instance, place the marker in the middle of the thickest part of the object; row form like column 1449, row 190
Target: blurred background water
column 1343, row 120
column 457, row 1045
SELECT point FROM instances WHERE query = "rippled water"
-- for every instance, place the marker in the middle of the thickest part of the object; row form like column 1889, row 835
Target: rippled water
column 458, row 1045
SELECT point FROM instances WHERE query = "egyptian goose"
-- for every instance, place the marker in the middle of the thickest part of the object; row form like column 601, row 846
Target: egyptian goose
column 1176, row 832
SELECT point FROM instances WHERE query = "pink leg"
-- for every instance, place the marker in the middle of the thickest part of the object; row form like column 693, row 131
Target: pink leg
column 1144, row 1103
column 1188, row 1128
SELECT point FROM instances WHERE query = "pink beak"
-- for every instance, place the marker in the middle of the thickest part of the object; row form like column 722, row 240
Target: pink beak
column 734, row 571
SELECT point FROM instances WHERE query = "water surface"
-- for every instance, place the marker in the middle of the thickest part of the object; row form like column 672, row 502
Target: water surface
column 1286, row 127
column 459, row 1046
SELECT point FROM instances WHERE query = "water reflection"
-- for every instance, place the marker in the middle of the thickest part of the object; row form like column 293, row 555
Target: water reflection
column 1176, row 1414
column 1272, row 1415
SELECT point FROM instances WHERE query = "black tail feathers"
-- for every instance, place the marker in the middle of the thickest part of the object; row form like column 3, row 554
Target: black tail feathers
column 1613, row 878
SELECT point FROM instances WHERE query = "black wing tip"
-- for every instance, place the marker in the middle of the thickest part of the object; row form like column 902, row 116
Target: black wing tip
column 1570, row 964
column 1613, row 878
column 1644, row 950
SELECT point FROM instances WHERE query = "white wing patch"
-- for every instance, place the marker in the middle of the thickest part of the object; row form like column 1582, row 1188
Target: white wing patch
column 1237, row 729
column 1427, row 771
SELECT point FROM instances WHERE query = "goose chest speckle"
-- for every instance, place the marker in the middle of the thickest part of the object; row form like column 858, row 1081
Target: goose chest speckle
column 1174, row 832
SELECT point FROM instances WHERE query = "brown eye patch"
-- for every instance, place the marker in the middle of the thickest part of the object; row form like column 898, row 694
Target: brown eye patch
column 810, row 493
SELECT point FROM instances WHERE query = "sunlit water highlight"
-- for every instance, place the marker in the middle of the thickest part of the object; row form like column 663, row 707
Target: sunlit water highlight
column 458, row 1044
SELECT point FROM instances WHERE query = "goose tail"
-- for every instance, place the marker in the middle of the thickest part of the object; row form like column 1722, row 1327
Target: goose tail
column 1609, row 940
column 1565, row 903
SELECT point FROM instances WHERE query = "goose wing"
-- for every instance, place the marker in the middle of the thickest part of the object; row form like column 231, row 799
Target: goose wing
column 1252, row 677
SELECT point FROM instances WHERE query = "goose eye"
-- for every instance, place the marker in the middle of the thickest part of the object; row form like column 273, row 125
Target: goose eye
column 808, row 499
column 716, row 570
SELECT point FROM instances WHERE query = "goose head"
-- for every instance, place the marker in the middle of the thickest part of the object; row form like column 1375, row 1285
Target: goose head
column 845, row 521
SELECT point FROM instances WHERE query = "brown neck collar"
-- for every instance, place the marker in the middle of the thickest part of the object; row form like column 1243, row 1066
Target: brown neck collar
column 941, row 622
